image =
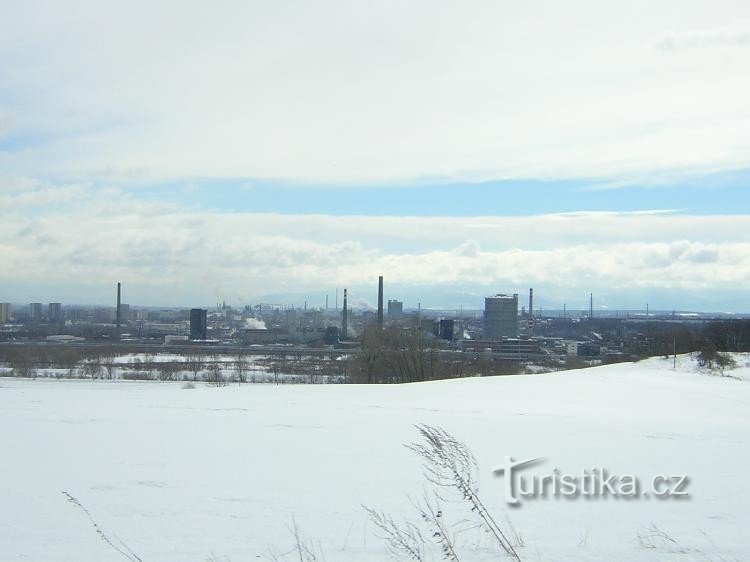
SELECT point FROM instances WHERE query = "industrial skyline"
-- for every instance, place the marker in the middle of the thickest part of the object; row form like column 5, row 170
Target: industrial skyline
column 503, row 315
column 506, row 330
column 402, row 299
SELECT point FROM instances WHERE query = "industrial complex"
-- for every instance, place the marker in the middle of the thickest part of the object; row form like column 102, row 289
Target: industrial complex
column 502, row 333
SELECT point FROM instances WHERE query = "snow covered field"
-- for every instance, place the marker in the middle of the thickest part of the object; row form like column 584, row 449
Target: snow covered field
column 187, row 474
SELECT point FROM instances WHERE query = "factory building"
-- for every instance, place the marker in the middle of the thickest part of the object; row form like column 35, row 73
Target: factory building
column 511, row 349
column 501, row 316
column 198, row 324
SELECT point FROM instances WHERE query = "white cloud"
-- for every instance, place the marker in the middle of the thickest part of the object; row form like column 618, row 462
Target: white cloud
column 735, row 35
column 11, row 184
column 175, row 257
column 33, row 197
column 365, row 92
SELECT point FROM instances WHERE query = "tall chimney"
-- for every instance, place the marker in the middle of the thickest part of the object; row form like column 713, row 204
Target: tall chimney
column 344, row 319
column 380, row 302
column 591, row 306
column 531, row 311
column 117, row 314
column 531, row 303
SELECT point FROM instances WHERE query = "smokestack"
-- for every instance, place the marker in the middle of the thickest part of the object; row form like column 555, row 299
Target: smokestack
column 380, row 302
column 344, row 319
column 117, row 314
column 531, row 311
column 326, row 302
column 591, row 306
column 531, row 303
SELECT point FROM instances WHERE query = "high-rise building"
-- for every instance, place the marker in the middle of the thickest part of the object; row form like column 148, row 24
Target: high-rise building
column 501, row 316
column 447, row 329
column 5, row 311
column 395, row 308
column 35, row 311
column 198, row 324
column 55, row 313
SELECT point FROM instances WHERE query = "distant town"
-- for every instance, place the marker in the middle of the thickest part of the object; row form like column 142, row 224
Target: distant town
column 339, row 343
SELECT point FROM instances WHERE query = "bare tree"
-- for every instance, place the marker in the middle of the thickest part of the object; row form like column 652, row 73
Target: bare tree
column 91, row 368
column 240, row 366
column 372, row 349
column 21, row 362
column 149, row 365
column 108, row 362
column 166, row 370
column 215, row 377
column 194, row 363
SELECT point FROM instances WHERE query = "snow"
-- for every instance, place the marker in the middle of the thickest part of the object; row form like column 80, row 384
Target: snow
column 183, row 474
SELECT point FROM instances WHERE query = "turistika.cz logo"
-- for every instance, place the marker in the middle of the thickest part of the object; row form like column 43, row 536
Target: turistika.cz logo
column 590, row 483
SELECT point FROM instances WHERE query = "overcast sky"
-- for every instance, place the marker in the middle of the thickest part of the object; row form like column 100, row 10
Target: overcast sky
column 232, row 150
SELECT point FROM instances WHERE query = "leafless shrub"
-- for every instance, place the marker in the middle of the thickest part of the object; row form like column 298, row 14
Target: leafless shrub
column 450, row 465
column 452, row 469
column 431, row 512
column 400, row 539
column 516, row 538
column 302, row 550
column 655, row 538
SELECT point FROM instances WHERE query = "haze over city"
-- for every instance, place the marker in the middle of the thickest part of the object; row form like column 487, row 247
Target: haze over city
column 202, row 154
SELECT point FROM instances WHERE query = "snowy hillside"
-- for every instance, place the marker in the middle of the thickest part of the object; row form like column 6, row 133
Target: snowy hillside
column 186, row 474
